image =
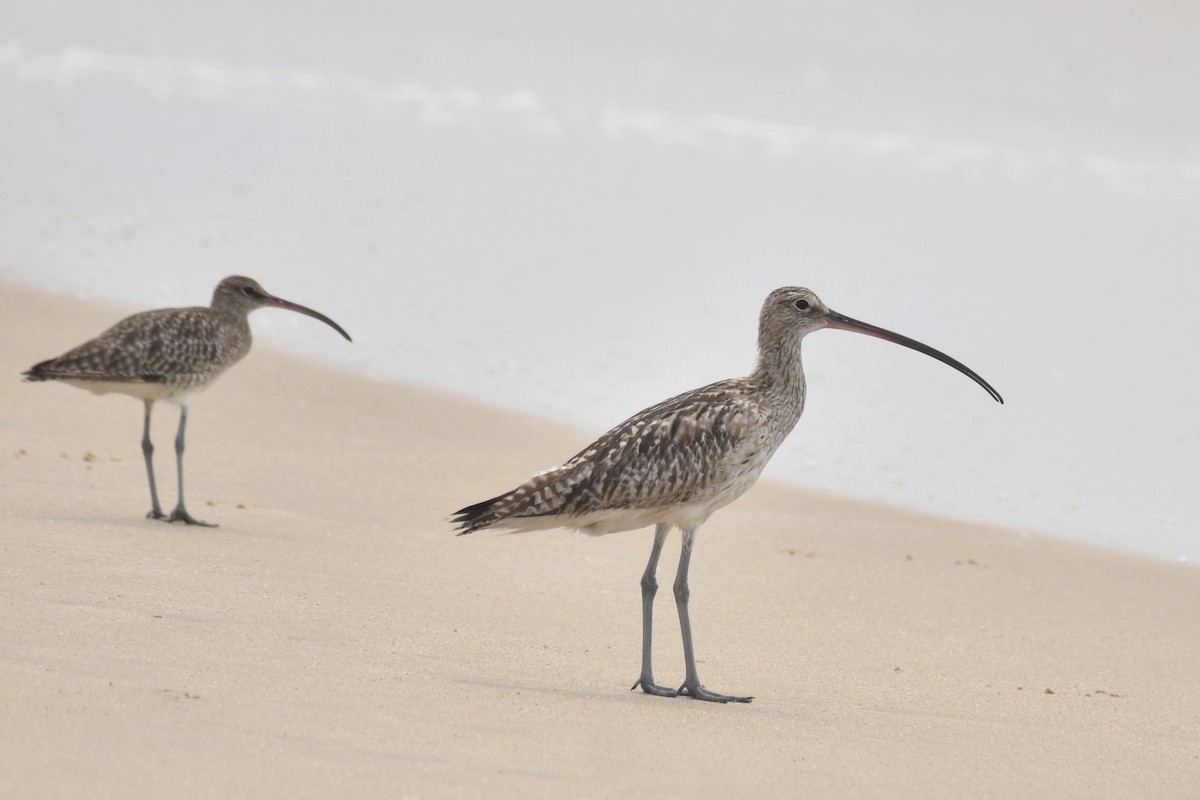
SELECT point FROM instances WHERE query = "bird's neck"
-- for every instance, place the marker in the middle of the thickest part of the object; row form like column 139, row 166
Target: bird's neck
column 234, row 319
column 779, row 376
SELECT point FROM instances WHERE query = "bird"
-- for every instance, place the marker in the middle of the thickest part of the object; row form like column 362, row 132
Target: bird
column 676, row 463
column 170, row 354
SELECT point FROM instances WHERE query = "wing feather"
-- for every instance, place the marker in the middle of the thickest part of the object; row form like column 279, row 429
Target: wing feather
column 687, row 449
column 182, row 345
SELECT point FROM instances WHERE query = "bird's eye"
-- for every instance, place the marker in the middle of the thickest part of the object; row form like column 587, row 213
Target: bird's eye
column 249, row 291
column 801, row 305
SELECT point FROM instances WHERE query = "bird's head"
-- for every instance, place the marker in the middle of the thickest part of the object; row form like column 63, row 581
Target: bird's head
column 241, row 295
column 791, row 313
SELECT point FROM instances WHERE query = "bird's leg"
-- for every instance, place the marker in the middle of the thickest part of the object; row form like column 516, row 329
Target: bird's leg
column 649, row 587
column 691, row 684
column 180, row 514
column 156, row 511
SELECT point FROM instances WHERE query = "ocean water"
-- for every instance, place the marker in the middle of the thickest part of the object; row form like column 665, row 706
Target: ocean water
column 576, row 210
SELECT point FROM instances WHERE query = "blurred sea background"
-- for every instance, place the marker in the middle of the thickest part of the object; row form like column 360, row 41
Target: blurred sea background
column 576, row 209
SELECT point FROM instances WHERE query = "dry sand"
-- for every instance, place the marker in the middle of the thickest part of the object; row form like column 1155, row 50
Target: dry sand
column 332, row 638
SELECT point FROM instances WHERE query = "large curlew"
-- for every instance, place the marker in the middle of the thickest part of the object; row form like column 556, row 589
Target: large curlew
column 676, row 463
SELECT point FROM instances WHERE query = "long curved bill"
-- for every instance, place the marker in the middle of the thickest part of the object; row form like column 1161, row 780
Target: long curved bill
column 841, row 321
column 278, row 302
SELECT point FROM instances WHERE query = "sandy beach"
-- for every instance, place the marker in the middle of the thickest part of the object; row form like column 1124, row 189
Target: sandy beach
column 333, row 638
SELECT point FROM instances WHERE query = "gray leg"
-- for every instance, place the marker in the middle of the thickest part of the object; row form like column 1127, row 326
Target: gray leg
column 691, row 685
column 148, row 451
column 649, row 587
column 180, row 514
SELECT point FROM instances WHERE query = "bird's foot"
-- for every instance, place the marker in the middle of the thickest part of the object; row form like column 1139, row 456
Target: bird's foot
column 650, row 687
column 180, row 514
column 698, row 692
column 156, row 513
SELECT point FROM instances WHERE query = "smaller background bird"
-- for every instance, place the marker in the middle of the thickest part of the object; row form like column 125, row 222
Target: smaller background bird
column 170, row 354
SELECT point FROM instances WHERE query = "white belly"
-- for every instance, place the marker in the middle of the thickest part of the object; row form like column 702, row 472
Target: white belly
column 174, row 393
column 615, row 520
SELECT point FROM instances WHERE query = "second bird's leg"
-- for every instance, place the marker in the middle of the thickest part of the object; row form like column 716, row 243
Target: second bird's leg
column 180, row 514
column 691, row 684
column 649, row 587
column 156, row 511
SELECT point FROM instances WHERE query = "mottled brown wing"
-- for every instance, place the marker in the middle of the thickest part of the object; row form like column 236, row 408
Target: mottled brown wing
column 172, row 345
column 685, row 449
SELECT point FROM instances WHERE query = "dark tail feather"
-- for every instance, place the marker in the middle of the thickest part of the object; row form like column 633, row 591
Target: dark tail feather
column 38, row 372
column 477, row 517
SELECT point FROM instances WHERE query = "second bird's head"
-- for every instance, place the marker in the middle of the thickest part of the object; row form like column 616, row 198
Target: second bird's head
column 242, row 295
